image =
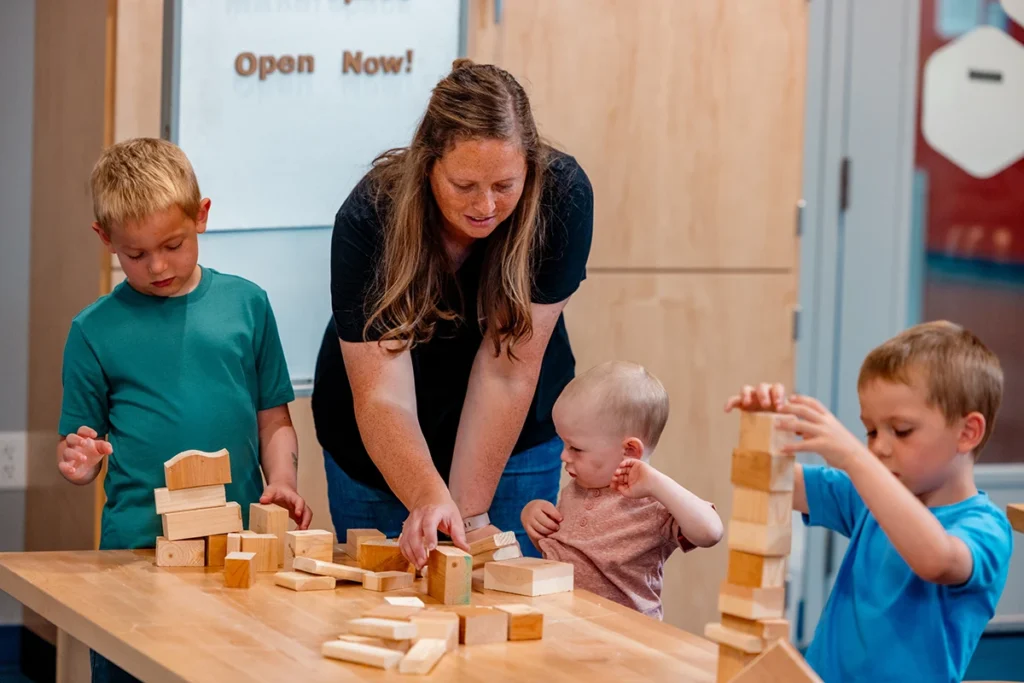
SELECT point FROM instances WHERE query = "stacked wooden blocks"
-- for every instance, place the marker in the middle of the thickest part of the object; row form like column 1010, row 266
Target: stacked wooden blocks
column 752, row 598
column 195, row 512
column 495, row 548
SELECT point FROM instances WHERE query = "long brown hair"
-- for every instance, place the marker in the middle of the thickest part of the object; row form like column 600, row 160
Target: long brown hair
column 474, row 101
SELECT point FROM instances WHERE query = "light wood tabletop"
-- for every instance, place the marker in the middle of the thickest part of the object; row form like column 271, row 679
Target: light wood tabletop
column 182, row 624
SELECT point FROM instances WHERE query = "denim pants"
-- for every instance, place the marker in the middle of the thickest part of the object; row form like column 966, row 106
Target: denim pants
column 105, row 671
column 530, row 474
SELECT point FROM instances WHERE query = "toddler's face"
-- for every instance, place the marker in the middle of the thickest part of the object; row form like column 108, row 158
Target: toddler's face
column 591, row 454
column 909, row 436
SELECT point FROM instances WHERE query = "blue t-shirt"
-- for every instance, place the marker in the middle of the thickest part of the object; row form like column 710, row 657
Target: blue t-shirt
column 884, row 623
column 160, row 375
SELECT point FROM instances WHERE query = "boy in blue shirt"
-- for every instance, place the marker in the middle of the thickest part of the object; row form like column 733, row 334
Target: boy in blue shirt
column 929, row 553
column 177, row 357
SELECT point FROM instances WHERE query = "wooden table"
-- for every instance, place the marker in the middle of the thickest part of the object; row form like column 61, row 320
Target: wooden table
column 184, row 625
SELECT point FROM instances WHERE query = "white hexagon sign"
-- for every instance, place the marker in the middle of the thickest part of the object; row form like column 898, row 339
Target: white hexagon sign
column 972, row 101
column 1015, row 8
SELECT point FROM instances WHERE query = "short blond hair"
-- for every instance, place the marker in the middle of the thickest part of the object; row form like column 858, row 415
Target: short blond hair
column 962, row 375
column 627, row 397
column 139, row 177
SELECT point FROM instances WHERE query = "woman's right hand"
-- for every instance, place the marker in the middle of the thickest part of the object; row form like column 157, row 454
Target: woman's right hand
column 419, row 532
column 764, row 396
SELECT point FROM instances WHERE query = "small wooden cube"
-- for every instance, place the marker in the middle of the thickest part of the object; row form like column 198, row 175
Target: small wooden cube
column 353, row 537
column 481, row 625
column 771, row 541
column 528, row 576
column 752, row 603
column 270, row 519
column 234, row 543
column 760, row 431
column 183, row 553
column 387, row 581
column 315, row 543
column 300, row 581
column 762, row 471
column 449, row 575
column 382, row 555
column 762, row 507
column 265, row 546
column 216, row 550
column 524, row 622
column 239, row 570
column 438, row 624
column 756, row 571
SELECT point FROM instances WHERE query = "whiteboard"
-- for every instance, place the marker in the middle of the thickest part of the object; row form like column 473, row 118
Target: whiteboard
column 278, row 150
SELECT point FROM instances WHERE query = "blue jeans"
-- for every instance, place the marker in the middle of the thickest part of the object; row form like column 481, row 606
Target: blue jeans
column 531, row 474
column 105, row 671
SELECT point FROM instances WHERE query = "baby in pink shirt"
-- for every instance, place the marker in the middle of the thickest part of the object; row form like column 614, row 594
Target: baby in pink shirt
column 619, row 519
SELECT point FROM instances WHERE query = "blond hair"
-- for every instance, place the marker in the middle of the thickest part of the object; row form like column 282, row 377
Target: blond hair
column 139, row 177
column 627, row 397
column 474, row 101
column 962, row 376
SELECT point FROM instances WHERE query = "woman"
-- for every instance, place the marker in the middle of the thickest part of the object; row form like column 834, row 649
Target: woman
column 451, row 262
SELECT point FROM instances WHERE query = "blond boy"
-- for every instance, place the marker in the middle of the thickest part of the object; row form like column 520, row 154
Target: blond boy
column 928, row 553
column 619, row 519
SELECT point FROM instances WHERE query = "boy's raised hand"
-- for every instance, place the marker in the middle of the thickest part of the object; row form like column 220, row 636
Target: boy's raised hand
column 634, row 478
column 822, row 432
column 82, row 454
column 764, row 396
column 288, row 498
column 540, row 518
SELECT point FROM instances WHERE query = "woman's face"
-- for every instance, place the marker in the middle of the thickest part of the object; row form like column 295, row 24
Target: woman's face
column 477, row 184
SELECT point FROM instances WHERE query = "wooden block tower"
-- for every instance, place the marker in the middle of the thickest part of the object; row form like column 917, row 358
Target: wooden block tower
column 752, row 598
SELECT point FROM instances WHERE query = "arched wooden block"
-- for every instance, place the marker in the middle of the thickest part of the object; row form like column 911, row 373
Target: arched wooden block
column 189, row 469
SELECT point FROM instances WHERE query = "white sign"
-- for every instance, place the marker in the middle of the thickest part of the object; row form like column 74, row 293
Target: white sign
column 1015, row 8
column 282, row 105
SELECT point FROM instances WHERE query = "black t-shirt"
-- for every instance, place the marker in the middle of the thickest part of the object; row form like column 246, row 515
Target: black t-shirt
column 441, row 366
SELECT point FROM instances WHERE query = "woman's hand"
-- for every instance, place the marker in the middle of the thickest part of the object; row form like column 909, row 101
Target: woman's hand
column 419, row 532
column 764, row 396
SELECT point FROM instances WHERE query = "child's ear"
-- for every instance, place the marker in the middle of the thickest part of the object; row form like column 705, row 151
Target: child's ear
column 971, row 433
column 203, row 215
column 633, row 448
column 104, row 237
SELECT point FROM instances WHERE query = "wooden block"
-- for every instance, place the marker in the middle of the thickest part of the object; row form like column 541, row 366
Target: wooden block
column 315, row 543
column 730, row 662
column 354, row 536
column 768, row 630
column 321, row 568
column 1015, row 513
column 185, row 553
column 216, row 550
column 759, row 431
column 396, row 645
column 380, row 657
column 239, row 570
column 234, row 543
column 528, row 576
column 396, row 612
column 202, row 523
column 508, row 552
column 189, row 499
column 744, row 642
column 505, row 538
column 449, row 575
column 436, row 624
column 771, row 541
column 423, row 656
column 265, row 547
column 405, row 601
column 190, row 469
column 481, row 625
column 762, row 507
column 780, row 663
column 392, row 629
column 301, row 581
column 387, row 581
column 756, row 571
column 762, row 471
column 752, row 603
column 524, row 622
column 270, row 519
column 382, row 555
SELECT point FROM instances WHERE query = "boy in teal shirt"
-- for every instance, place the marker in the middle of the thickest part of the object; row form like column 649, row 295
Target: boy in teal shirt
column 929, row 553
column 177, row 357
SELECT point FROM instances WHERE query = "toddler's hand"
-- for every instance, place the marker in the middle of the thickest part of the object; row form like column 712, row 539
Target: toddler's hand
column 764, row 396
column 540, row 518
column 288, row 498
column 634, row 478
column 82, row 454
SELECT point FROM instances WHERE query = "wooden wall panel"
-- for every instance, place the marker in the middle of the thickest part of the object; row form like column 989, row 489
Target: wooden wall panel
column 703, row 336
column 686, row 115
column 139, row 69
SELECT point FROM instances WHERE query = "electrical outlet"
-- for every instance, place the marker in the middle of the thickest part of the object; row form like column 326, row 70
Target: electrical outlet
column 13, row 447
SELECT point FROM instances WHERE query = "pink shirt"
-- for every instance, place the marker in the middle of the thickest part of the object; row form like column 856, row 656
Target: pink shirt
column 617, row 545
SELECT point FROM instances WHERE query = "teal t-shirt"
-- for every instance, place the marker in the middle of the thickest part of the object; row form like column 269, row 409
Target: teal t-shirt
column 164, row 375
column 883, row 623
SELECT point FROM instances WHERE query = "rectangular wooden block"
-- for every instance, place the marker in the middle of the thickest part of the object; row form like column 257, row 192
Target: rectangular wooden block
column 449, row 575
column 744, row 642
column 524, row 622
column 752, row 603
column 759, row 431
column 382, row 555
column 315, row 543
column 265, row 546
column 387, row 581
column 481, row 625
column 396, row 612
column 397, row 645
column 202, row 523
column 392, row 629
column 773, row 541
column 184, row 553
column 762, row 507
column 436, row 624
column 731, row 662
column 405, row 601
column 270, row 519
column 756, row 571
column 234, row 543
column 483, row 545
column 190, row 469
column 358, row 653
column 321, row 568
column 353, row 537
column 423, row 656
column 239, row 570
column 528, row 576
column 508, row 552
column 780, row 663
column 189, row 499
column 768, row 630
column 216, row 550
column 301, row 581
column 762, row 471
